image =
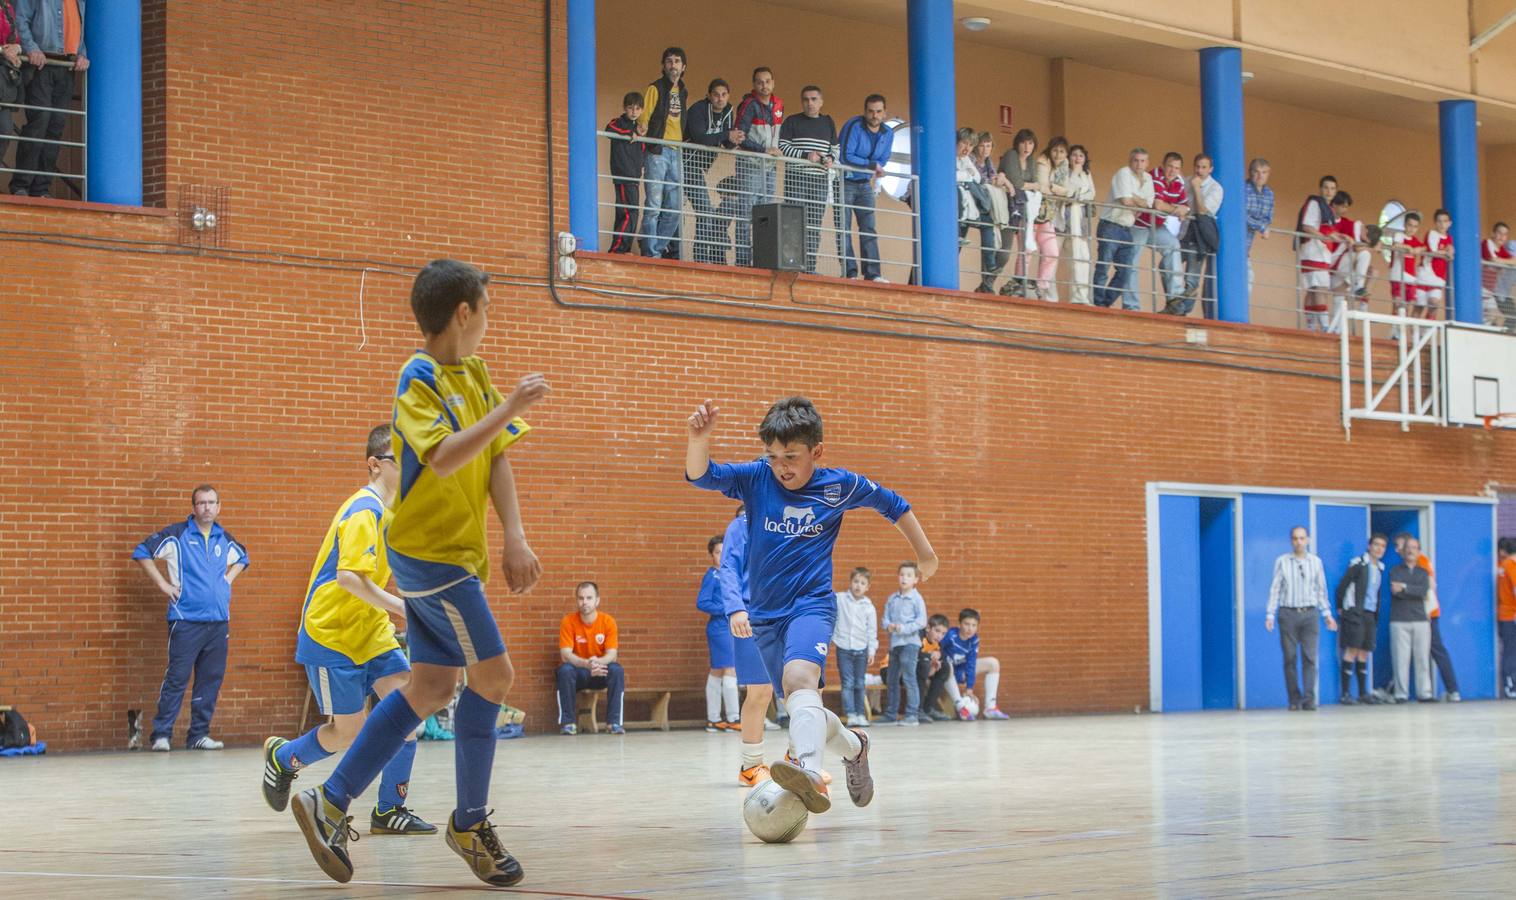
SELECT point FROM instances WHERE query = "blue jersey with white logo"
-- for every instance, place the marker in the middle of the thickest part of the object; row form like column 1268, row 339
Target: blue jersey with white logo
column 964, row 654
column 198, row 567
column 790, row 534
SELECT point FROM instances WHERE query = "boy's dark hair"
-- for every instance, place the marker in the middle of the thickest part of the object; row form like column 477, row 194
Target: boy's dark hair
column 1342, row 198
column 1325, row 179
column 1507, row 545
column 438, row 290
column 807, row 89
column 908, row 564
column 1441, row 212
column 937, row 620
column 1171, row 156
column 875, row 98
column 791, row 419
column 378, row 442
column 968, row 612
column 674, row 51
column 587, row 584
column 1379, row 536
column 716, row 83
column 712, row 543
column 203, row 489
column 860, row 571
column 1412, row 215
column 632, row 98
column 1501, row 225
column 762, row 69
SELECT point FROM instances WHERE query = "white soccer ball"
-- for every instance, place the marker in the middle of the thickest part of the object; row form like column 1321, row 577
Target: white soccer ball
column 971, row 703
column 773, row 814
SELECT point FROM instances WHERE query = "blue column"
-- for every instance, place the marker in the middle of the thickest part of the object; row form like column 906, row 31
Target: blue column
column 584, row 190
column 1221, row 127
column 1460, row 196
column 113, row 42
column 934, row 121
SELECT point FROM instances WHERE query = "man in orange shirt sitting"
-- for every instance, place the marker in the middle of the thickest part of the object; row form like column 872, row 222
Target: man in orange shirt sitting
column 1505, row 615
column 587, row 644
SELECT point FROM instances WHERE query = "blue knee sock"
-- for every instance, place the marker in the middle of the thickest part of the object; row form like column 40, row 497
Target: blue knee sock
column 474, row 756
column 378, row 742
column 395, row 781
column 301, row 752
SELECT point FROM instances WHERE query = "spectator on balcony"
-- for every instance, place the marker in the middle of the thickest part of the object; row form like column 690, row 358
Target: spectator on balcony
column 1258, row 197
column 1072, row 223
column 810, row 138
column 47, row 28
column 665, row 103
column 11, row 89
column 1201, row 239
column 711, row 123
column 1115, row 272
column 1432, row 270
column 1405, row 245
column 758, row 118
column 1159, row 229
column 865, row 144
column 1053, row 183
column 1350, row 257
column 1314, row 225
column 1497, row 273
column 626, row 171
column 974, row 206
column 1020, row 169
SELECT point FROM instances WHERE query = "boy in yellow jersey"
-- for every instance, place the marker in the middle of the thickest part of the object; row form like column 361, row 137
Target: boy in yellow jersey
column 451, row 431
column 347, row 645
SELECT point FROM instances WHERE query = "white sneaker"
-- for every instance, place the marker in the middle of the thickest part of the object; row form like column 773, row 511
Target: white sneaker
column 162, row 745
column 207, row 743
column 880, row 280
column 770, row 725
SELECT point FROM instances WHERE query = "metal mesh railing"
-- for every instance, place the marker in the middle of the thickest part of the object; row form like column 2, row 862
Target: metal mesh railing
column 44, row 155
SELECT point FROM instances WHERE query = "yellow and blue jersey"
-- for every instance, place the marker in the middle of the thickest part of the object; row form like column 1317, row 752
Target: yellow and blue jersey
column 437, row 536
column 337, row 628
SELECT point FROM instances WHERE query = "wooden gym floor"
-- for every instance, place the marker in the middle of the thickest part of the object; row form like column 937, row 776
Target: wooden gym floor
column 1412, row 800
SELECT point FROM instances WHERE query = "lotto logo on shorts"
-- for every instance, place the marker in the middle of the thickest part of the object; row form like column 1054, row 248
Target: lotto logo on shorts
column 821, row 648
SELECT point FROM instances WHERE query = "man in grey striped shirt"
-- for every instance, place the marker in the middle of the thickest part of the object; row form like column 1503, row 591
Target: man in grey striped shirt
column 1296, row 595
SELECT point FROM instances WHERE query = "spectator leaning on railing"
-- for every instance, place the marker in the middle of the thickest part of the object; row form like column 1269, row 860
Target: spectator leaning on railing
column 1053, row 184
column 1020, row 168
column 758, row 118
column 710, row 123
column 626, row 171
column 864, row 143
column 974, row 205
column 811, row 139
column 47, row 28
column 1258, row 197
column 1081, row 191
column 1200, row 240
column 1159, row 229
column 664, row 104
column 11, row 90
column 1115, row 272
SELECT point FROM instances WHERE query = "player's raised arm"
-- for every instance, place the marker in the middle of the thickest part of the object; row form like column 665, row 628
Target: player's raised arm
column 926, row 557
column 459, row 447
column 701, row 423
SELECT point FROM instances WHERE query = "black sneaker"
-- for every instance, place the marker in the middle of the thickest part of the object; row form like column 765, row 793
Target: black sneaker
column 398, row 821
column 1347, row 700
column 276, row 780
column 481, row 849
column 939, row 716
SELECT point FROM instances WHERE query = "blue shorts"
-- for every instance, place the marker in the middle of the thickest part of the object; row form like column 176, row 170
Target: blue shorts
column 342, row 690
column 806, row 635
column 453, row 626
column 718, row 640
column 750, row 667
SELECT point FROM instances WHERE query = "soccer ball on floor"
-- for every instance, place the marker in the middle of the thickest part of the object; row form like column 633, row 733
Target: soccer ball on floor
column 971, row 703
column 773, row 814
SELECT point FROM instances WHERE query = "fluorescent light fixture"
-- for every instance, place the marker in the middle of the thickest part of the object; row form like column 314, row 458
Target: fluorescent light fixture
column 975, row 23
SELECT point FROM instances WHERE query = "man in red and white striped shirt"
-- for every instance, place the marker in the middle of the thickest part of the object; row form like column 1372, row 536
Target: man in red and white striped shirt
column 1171, row 200
column 1350, row 257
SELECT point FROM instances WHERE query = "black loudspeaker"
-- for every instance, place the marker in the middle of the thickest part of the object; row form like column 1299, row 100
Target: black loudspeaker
column 779, row 236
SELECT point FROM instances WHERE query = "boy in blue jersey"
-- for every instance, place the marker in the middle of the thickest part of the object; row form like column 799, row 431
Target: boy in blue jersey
column 961, row 648
column 347, row 644
column 721, row 682
column 451, row 431
column 795, row 511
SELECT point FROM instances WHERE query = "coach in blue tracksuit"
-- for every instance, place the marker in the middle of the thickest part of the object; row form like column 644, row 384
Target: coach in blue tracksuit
column 865, row 143
column 202, row 559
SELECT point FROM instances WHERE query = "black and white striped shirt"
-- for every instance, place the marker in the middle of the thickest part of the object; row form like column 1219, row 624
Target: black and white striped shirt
column 1299, row 583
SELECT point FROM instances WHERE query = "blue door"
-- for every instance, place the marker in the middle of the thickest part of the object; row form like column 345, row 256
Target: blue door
column 1266, row 523
column 1218, row 603
column 1342, row 533
column 1464, row 559
column 1389, row 521
column 1179, row 601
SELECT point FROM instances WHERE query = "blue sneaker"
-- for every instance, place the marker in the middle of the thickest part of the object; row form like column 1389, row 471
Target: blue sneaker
column 617, row 729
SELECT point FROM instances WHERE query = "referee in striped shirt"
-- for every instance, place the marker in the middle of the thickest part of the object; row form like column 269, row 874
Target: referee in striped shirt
column 1297, row 593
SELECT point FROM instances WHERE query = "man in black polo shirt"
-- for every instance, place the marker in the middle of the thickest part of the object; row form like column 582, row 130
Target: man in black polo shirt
column 1410, row 629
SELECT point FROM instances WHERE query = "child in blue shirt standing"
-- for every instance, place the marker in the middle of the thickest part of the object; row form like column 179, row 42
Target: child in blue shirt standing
column 795, row 510
column 904, row 619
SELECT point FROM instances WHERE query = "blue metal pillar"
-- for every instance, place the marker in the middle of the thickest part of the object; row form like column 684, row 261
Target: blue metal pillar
column 113, row 132
column 934, row 123
column 1221, row 126
column 584, row 191
column 1460, row 196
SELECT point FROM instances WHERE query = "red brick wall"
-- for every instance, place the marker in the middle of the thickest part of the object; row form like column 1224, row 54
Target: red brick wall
column 135, row 370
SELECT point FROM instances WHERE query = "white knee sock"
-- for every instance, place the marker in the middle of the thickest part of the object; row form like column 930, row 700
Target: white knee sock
column 991, row 682
column 839, row 738
column 752, row 754
column 729, row 693
column 712, row 698
column 808, row 731
column 953, row 692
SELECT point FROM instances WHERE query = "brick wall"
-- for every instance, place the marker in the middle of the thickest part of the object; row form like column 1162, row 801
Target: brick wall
column 1023, row 433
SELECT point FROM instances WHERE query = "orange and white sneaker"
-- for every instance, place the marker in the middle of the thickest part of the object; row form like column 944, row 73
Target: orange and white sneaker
column 803, row 783
column 753, row 775
column 826, row 777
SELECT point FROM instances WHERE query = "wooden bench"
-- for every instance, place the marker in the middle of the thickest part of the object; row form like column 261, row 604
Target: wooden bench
column 586, row 701
column 872, row 695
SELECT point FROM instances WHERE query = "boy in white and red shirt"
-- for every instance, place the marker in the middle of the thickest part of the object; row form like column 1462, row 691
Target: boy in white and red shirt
column 1403, row 261
column 1496, row 279
column 1313, row 255
column 1432, row 270
column 1350, row 257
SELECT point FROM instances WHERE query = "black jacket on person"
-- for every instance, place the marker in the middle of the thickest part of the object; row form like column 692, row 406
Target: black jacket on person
column 1355, row 583
column 626, row 150
column 660, row 114
column 708, row 128
column 1410, row 605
